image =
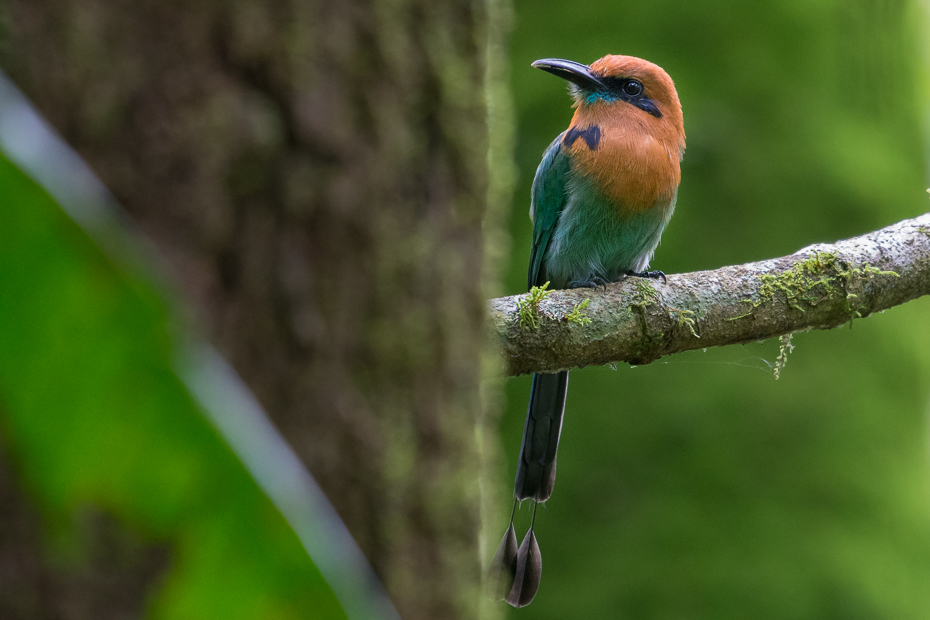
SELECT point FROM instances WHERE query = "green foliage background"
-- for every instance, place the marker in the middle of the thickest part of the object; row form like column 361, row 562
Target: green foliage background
column 699, row 487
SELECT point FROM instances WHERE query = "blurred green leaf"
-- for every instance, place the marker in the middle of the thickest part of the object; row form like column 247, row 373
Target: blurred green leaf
column 93, row 416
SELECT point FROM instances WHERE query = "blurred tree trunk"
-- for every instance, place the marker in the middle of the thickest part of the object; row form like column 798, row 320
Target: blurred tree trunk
column 316, row 172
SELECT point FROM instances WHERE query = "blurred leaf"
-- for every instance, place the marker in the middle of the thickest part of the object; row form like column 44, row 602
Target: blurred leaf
column 94, row 416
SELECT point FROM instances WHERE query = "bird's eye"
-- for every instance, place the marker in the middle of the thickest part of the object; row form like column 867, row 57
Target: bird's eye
column 632, row 88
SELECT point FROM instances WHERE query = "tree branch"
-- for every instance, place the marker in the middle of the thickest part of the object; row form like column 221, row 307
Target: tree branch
column 638, row 320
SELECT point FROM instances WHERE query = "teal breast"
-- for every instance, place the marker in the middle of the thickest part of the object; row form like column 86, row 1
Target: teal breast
column 595, row 237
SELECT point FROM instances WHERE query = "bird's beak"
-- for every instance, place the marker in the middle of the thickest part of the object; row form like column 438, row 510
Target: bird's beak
column 575, row 72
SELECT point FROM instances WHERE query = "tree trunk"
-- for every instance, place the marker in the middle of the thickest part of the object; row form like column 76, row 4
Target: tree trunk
column 316, row 173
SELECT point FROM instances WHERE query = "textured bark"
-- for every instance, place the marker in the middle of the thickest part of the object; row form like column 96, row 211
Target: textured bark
column 638, row 321
column 316, row 173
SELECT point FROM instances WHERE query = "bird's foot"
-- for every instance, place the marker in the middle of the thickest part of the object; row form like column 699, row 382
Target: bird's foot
column 655, row 275
column 594, row 282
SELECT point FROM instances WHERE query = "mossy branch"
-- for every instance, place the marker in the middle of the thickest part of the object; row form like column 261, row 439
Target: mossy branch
column 820, row 287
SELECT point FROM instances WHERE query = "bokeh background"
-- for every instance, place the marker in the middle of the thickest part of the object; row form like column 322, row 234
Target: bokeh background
column 698, row 486
column 695, row 488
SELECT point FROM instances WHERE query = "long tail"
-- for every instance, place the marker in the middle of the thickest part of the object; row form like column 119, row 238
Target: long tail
column 536, row 469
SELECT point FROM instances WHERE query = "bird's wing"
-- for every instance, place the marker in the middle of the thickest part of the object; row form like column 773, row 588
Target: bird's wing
column 548, row 200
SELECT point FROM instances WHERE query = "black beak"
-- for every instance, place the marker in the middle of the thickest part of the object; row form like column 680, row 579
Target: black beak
column 574, row 72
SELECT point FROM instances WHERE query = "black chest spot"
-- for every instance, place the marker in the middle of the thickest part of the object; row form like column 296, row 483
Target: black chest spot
column 591, row 136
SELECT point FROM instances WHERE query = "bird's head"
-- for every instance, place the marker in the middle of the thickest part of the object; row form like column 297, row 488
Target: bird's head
column 619, row 81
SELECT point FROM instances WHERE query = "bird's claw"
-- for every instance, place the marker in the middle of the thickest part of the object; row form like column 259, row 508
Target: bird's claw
column 594, row 282
column 655, row 275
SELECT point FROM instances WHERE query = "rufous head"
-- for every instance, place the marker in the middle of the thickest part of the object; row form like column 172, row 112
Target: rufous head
column 619, row 82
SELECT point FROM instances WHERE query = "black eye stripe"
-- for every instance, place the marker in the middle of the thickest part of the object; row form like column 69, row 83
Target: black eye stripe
column 648, row 106
column 621, row 86
column 632, row 91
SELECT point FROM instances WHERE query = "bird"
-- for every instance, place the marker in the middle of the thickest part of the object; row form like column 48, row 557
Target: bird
column 602, row 196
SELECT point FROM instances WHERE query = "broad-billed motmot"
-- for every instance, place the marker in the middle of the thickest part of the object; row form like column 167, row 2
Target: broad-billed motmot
column 603, row 194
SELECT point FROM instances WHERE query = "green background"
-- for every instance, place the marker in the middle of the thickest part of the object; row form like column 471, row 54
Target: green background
column 698, row 486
